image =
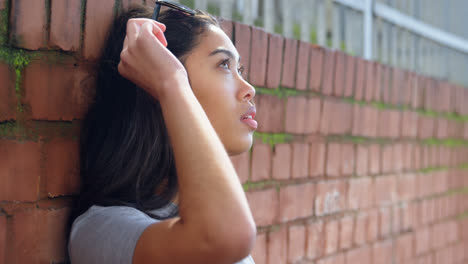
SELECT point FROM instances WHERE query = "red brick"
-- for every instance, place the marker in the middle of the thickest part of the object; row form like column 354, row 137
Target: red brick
column 374, row 159
column 372, row 225
column 335, row 259
column 7, row 93
column 382, row 252
column 62, row 167
column 331, row 197
column 264, row 205
column 348, row 157
column 350, row 75
column 378, row 93
column 396, row 219
column 56, row 91
column 312, row 115
column 346, row 232
column 360, row 194
column 340, row 63
column 259, row 252
column 397, row 86
column 388, row 162
column 282, row 161
column 386, row 88
column 327, row 116
column 370, row 81
column 317, row 159
column 360, row 255
column 261, row 161
column 385, row 222
column 441, row 128
column 427, row 259
column 316, row 68
column 258, row 58
column 409, row 124
column 126, row 3
column 409, row 216
column 341, row 118
column 275, row 59
column 270, row 113
column 422, row 241
column 362, row 158
column 360, row 231
column 277, row 246
column 333, row 160
column 360, row 79
column 243, row 37
column 404, row 248
column 65, row 24
column 289, row 63
column 331, row 230
column 241, row 163
column 407, row 92
column 3, row 236
column 38, row 236
column 407, row 187
column 430, row 94
column 385, row 190
column 358, row 120
column 315, row 239
column 295, row 114
column 99, row 16
column 397, row 157
column 370, row 121
column 28, row 24
column 416, row 92
column 300, row 160
column 328, row 71
column 226, row 25
column 303, row 65
column 296, row 201
column 296, row 243
column 20, row 175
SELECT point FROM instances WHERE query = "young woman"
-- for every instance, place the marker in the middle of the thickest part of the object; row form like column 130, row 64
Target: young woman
column 171, row 106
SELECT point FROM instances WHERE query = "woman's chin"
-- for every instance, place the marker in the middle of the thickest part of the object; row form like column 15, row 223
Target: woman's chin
column 243, row 145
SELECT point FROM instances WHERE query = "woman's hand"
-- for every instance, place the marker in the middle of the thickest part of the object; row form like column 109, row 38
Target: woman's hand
column 146, row 61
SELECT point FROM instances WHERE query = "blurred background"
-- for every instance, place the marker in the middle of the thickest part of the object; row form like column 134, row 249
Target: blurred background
column 429, row 37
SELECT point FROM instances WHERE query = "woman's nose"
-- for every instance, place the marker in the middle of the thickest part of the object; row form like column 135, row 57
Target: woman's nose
column 247, row 91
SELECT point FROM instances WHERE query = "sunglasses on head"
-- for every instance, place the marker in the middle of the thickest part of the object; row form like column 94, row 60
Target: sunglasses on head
column 179, row 7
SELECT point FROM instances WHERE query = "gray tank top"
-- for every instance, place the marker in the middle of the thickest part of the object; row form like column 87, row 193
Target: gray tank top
column 109, row 234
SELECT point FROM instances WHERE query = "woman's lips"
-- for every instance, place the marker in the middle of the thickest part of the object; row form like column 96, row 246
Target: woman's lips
column 250, row 122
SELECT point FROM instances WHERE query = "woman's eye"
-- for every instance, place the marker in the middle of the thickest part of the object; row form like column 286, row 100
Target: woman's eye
column 241, row 70
column 226, row 62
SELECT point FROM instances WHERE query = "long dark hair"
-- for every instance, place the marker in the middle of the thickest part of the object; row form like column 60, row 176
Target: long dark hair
column 125, row 153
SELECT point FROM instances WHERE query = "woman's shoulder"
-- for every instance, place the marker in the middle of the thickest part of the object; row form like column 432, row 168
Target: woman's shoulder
column 101, row 231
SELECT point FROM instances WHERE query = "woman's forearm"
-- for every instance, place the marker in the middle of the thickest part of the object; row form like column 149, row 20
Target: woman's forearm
column 210, row 193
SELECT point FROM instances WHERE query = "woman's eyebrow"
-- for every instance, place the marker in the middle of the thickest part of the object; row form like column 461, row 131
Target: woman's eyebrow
column 225, row 51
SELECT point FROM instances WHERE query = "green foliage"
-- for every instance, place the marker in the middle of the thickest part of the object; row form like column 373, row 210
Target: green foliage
column 258, row 22
column 313, row 36
column 279, row 29
column 214, row 9
column 259, row 185
column 282, row 92
column 273, row 138
column 188, row 3
column 297, row 31
column 236, row 16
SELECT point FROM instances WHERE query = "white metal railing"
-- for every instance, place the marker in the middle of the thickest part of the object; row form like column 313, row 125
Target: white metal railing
column 391, row 31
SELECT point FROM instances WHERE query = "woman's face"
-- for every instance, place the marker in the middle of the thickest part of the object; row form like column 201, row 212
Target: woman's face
column 217, row 83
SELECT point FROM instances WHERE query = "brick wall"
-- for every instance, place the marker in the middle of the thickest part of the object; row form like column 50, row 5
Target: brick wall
column 353, row 161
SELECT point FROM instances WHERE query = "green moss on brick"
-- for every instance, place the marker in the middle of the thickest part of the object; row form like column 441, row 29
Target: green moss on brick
column 273, row 138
